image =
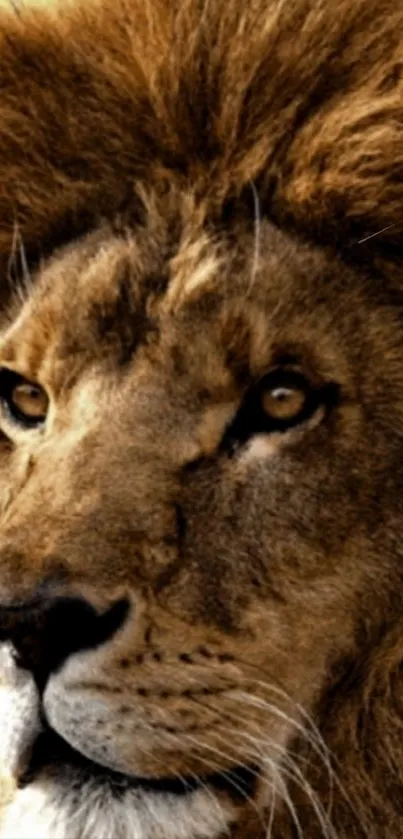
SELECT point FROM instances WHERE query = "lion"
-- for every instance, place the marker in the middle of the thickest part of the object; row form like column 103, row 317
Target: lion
column 201, row 413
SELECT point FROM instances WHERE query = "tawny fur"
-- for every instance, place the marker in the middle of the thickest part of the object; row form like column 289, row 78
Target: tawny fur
column 191, row 126
column 303, row 96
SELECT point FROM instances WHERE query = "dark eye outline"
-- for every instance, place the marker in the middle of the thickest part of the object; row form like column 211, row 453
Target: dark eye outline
column 9, row 380
column 252, row 419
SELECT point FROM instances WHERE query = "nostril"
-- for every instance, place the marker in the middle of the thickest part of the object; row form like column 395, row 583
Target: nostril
column 46, row 631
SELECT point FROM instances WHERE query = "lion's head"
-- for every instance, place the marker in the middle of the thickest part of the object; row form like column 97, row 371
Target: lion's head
column 201, row 418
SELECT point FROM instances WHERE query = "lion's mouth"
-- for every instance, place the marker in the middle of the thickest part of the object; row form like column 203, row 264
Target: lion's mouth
column 53, row 754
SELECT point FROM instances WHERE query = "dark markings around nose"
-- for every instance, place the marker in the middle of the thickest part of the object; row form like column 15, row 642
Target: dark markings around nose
column 46, row 631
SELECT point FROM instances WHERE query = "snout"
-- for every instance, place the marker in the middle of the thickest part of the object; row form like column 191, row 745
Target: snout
column 45, row 631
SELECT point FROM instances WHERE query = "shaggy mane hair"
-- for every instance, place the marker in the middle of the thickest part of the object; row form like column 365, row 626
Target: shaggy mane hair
column 220, row 96
column 217, row 94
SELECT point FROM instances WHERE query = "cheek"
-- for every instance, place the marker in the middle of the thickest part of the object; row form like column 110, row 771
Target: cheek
column 287, row 650
column 15, row 471
column 275, row 530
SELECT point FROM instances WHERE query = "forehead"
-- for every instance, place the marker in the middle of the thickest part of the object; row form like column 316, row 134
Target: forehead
column 246, row 290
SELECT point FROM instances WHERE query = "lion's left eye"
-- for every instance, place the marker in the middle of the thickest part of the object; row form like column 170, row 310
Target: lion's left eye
column 281, row 401
column 24, row 402
column 284, row 402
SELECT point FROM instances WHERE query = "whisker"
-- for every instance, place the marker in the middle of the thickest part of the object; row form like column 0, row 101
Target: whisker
column 18, row 274
column 378, row 233
column 176, row 774
column 314, row 738
column 287, row 756
column 279, row 764
column 291, row 770
column 291, row 808
column 227, row 757
column 24, row 263
column 257, row 227
column 225, row 714
column 276, row 689
column 288, row 760
column 258, row 702
column 215, row 767
column 270, row 823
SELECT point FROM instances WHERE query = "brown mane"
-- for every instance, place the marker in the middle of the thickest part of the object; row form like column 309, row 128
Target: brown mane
column 218, row 95
column 98, row 99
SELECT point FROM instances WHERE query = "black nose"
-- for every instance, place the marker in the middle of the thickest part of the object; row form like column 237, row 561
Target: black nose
column 45, row 631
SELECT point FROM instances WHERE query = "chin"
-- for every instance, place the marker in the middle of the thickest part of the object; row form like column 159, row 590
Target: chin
column 63, row 795
column 60, row 809
column 66, row 803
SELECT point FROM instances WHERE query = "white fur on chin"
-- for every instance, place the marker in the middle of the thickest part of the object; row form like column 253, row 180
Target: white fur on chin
column 48, row 809
column 65, row 808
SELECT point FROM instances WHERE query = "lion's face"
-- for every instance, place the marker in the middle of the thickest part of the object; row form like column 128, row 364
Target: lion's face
column 212, row 429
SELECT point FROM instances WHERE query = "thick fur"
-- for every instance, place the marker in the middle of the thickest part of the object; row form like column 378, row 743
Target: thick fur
column 303, row 97
column 190, row 191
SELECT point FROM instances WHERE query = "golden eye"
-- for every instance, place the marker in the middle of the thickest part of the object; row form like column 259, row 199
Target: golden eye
column 30, row 400
column 284, row 402
column 279, row 402
column 25, row 402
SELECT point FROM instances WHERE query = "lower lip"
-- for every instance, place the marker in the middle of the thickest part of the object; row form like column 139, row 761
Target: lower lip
column 51, row 751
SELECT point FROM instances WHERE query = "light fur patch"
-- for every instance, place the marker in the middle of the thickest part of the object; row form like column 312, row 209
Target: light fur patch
column 51, row 810
column 65, row 808
column 193, row 269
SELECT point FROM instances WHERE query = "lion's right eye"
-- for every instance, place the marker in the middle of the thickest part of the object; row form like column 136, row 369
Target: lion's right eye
column 281, row 401
column 24, row 402
column 284, row 402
